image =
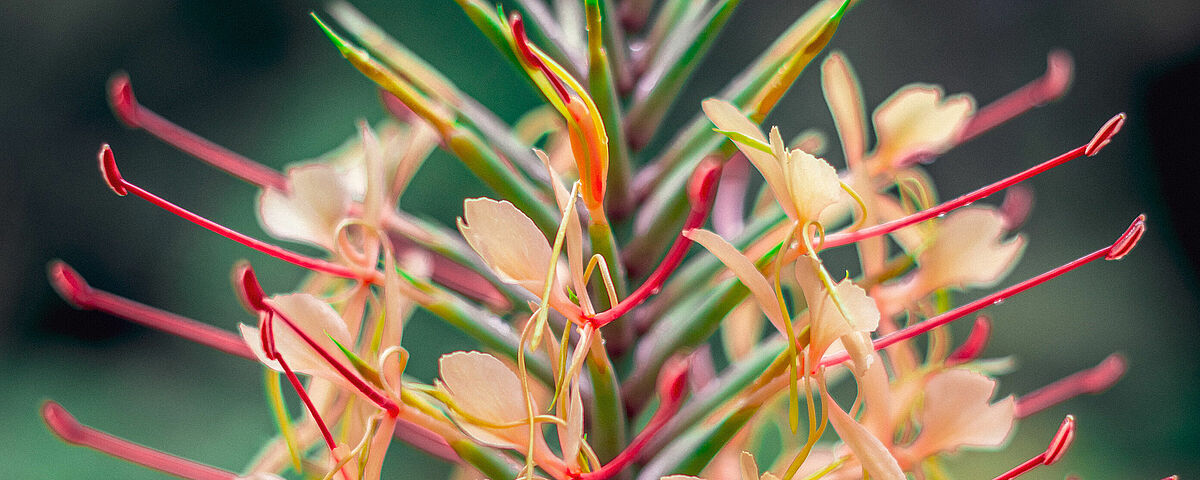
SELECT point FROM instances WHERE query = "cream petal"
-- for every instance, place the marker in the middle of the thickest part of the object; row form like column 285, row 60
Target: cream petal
column 917, row 121
column 826, row 319
column 957, row 413
column 485, row 388
column 813, row 185
column 727, row 117
column 844, row 97
column 874, row 456
column 969, row 251
column 744, row 269
column 310, row 211
column 507, row 241
column 749, row 467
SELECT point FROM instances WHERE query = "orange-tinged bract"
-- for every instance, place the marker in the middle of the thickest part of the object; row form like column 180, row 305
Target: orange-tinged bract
column 607, row 349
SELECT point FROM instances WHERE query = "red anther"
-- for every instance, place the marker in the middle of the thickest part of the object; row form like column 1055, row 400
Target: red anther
column 249, row 290
column 108, row 167
column 976, row 341
column 120, row 96
column 1110, row 128
column 526, row 51
column 1093, row 380
column 1128, row 240
column 69, row 284
column 1061, row 441
column 63, row 424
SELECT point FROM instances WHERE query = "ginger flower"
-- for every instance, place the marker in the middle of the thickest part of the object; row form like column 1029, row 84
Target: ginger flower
column 512, row 246
column 803, row 185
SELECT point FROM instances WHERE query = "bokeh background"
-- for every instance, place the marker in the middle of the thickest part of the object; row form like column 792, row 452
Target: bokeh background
column 259, row 78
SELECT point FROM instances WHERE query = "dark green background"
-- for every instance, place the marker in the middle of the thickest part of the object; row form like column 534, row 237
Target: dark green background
column 259, row 78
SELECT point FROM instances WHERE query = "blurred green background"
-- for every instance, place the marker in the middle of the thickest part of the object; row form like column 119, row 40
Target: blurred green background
column 259, row 78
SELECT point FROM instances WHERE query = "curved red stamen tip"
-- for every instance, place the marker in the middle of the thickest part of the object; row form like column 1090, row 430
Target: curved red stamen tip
column 108, row 167
column 704, row 180
column 1110, row 128
column 69, row 284
column 249, row 289
column 1128, row 240
column 1060, row 68
column 976, row 341
column 120, row 97
column 1104, row 375
column 1061, row 441
column 62, row 423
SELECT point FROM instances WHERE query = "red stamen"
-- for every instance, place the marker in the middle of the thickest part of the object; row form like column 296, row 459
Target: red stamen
column 526, row 51
column 1129, row 239
column 1122, row 245
column 1057, row 448
column 976, row 341
column 108, row 167
column 1050, row 86
column 251, row 287
column 672, row 384
column 701, row 189
column 267, row 334
column 1093, row 380
column 1102, row 138
column 73, row 288
column 133, row 114
column 63, row 424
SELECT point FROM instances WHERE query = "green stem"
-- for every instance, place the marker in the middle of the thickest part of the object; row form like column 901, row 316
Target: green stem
column 489, row 462
column 607, row 434
column 604, row 93
column 649, row 109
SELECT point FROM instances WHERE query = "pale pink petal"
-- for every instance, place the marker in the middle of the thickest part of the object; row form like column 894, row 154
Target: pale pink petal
column 916, row 121
column 970, row 251
column 744, row 269
column 310, row 211
column 727, row 117
column 874, row 456
column 741, row 330
column 957, row 413
column 844, row 97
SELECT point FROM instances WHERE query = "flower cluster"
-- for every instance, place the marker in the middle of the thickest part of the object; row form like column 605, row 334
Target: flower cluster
column 600, row 329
